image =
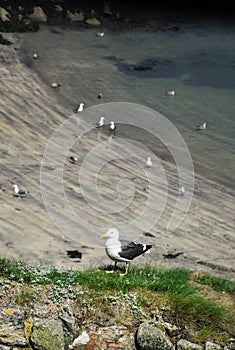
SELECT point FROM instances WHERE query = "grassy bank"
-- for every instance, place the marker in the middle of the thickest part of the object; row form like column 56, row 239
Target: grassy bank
column 202, row 306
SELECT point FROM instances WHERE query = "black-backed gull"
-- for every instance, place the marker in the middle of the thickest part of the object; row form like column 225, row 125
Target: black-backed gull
column 201, row 126
column 79, row 108
column 55, row 85
column 112, row 126
column 73, row 159
column 19, row 192
column 122, row 250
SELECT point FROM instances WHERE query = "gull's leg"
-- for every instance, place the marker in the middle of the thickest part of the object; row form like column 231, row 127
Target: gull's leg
column 126, row 271
column 112, row 271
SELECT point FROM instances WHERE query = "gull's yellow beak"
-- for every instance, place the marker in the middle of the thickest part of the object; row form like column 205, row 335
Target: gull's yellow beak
column 104, row 235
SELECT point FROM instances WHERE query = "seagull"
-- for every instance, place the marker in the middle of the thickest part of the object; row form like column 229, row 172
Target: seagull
column 112, row 126
column 55, row 85
column 149, row 162
column 182, row 190
column 73, row 159
column 100, row 122
column 79, row 108
column 35, row 56
column 18, row 191
column 121, row 250
column 201, row 126
column 100, row 34
column 170, row 92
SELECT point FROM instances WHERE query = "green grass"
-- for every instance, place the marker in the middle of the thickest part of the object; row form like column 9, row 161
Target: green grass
column 186, row 301
column 218, row 284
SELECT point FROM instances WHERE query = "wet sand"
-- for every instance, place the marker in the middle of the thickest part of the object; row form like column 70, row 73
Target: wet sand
column 29, row 115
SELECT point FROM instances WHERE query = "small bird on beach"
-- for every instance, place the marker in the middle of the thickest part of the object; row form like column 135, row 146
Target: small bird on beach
column 149, row 162
column 73, row 159
column 100, row 34
column 112, row 126
column 201, row 126
column 100, row 122
column 170, row 92
column 79, row 108
column 182, row 191
column 35, row 56
column 100, row 95
column 19, row 192
column 122, row 250
column 55, row 85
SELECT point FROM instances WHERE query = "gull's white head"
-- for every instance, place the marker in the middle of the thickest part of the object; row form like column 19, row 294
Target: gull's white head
column 111, row 233
column 16, row 187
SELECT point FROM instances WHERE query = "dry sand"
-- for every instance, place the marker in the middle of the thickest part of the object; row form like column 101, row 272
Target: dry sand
column 29, row 115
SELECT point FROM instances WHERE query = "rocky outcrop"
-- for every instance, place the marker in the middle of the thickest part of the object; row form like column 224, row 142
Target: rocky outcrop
column 62, row 333
column 38, row 14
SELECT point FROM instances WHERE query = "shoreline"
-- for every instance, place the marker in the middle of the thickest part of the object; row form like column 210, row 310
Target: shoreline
column 30, row 113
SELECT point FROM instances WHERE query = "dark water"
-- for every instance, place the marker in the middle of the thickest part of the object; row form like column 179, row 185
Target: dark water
column 197, row 62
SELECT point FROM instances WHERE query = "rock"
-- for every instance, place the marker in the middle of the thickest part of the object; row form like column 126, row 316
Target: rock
column 93, row 21
column 230, row 345
column 75, row 16
column 82, row 339
column 38, row 14
column 4, row 41
column 172, row 254
column 149, row 337
column 171, row 329
column 74, row 254
column 114, row 337
column 212, row 346
column 12, row 328
column 69, row 322
column 48, row 334
column 188, row 345
column 4, row 15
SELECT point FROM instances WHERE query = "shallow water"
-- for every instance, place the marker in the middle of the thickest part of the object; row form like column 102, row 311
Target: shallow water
column 198, row 63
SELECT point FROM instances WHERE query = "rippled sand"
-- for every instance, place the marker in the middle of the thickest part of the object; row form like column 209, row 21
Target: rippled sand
column 30, row 114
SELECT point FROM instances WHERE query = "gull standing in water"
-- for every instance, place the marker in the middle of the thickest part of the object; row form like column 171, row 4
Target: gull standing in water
column 170, row 93
column 201, row 126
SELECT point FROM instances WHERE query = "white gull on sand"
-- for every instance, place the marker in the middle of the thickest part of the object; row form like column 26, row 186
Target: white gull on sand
column 182, row 191
column 112, row 126
column 55, row 85
column 149, row 162
column 18, row 191
column 100, row 122
column 79, row 108
column 122, row 250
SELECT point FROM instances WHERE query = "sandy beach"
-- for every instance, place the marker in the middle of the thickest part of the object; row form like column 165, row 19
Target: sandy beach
column 30, row 113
